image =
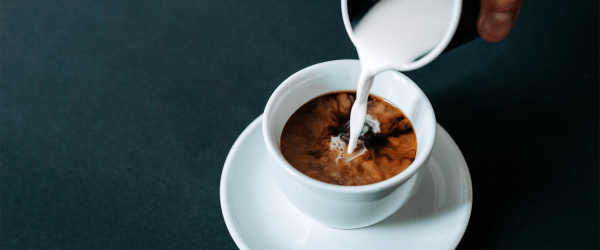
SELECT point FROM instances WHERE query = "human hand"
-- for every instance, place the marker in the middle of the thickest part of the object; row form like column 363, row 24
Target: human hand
column 497, row 18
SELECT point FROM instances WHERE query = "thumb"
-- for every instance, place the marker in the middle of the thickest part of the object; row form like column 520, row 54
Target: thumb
column 497, row 18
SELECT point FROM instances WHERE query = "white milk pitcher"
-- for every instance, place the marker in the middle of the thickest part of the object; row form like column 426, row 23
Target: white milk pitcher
column 400, row 34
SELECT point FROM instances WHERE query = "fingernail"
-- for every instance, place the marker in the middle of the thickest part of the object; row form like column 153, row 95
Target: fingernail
column 501, row 17
column 498, row 24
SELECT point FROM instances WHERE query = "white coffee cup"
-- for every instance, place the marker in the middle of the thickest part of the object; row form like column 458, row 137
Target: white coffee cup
column 346, row 207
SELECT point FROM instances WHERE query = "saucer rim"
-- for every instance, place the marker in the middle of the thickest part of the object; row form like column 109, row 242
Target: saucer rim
column 238, row 239
column 469, row 189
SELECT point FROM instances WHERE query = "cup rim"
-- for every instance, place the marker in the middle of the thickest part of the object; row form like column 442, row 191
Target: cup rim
column 306, row 180
column 434, row 53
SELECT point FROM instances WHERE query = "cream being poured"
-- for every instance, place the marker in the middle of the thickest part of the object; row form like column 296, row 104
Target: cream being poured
column 392, row 33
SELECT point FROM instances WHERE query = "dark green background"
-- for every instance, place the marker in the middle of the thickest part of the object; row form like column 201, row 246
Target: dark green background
column 117, row 116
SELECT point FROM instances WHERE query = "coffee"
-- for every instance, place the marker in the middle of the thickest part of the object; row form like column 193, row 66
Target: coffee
column 315, row 141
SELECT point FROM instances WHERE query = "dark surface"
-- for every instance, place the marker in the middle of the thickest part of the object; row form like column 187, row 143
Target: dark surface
column 116, row 118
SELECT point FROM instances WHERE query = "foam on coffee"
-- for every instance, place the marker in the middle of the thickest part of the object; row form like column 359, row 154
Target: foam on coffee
column 315, row 141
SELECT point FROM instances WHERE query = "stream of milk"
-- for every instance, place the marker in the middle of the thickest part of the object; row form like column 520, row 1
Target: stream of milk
column 393, row 32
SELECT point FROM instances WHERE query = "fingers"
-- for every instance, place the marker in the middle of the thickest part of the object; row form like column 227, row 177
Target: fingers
column 497, row 18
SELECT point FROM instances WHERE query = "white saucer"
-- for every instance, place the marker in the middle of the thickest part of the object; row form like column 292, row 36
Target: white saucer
column 259, row 216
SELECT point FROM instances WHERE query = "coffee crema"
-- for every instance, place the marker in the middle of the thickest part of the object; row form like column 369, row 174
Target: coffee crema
column 315, row 141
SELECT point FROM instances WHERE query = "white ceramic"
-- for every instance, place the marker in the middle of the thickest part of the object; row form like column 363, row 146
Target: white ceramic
column 346, row 207
column 259, row 216
column 455, row 6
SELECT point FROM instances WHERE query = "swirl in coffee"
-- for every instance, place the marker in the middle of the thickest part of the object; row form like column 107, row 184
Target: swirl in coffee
column 315, row 141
